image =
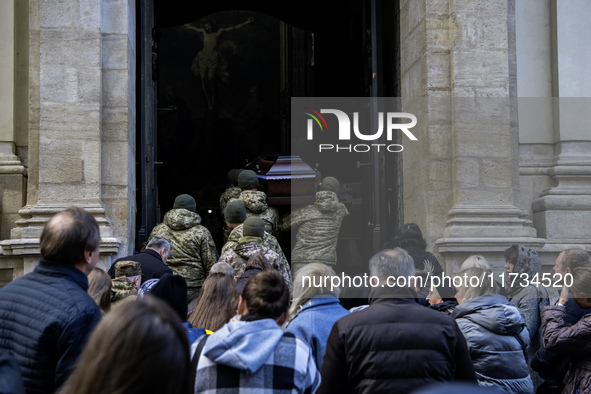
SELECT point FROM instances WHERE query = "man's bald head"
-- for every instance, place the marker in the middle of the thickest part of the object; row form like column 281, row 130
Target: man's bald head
column 68, row 234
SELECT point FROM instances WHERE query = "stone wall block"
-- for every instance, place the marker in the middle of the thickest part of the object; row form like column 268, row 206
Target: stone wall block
column 89, row 85
column 472, row 144
column 89, row 14
column 481, row 32
column 72, row 48
column 469, row 69
column 114, row 171
column 54, row 88
column 115, row 91
column 70, row 121
column 415, row 47
column 114, row 17
column 478, row 196
column 496, row 173
column 467, row 172
column 115, row 124
column 416, row 14
column 58, row 13
column 62, row 161
column 92, row 161
column 439, row 174
column 114, row 52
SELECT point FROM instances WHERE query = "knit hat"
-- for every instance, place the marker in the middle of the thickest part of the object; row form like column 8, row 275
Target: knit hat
column 235, row 212
column 127, row 268
column 330, row 184
column 173, row 290
column 185, row 201
column 233, row 176
column 248, row 180
column 253, row 226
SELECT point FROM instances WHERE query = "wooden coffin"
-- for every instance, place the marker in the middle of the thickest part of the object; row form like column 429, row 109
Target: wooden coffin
column 286, row 180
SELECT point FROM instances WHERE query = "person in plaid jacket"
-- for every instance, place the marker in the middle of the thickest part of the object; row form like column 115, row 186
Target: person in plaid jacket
column 254, row 354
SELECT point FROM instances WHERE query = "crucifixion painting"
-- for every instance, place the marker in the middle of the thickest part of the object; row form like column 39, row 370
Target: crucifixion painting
column 210, row 62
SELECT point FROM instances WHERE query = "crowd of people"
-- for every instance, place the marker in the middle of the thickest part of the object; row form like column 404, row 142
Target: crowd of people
column 181, row 317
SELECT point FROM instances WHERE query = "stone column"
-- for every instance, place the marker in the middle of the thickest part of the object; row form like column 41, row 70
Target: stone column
column 562, row 213
column 461, row 180
column 65, row 123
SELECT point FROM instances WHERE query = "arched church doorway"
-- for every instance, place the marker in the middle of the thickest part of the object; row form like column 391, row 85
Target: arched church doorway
column 216, row 82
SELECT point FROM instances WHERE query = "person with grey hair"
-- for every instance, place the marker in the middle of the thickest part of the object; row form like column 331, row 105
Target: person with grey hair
column 315, row 307
column 383, row 348
column 152, row 260
column 222, row 267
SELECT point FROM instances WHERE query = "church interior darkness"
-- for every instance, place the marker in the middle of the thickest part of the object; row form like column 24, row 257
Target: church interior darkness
column 208, row 124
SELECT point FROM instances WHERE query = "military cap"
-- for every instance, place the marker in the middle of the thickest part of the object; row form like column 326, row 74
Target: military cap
column 127, row 268
column 330, row 184
column 233, row 176
column 248, row 179
column 185, row 201
column 235, row 212
column 254, row 226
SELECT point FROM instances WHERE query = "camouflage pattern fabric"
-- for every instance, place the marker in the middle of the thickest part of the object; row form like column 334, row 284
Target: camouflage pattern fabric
column 127, row 268
column 121, row 288
column 246, row 247
column 193, row 249
column 255, row 203
column 268, row 240
column 231, row 193
column 319, row 225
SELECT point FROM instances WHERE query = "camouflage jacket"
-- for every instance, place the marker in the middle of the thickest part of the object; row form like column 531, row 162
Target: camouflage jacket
column 319, row 225
column 231, row 193
column 268, row 240
column 246, row 247
column 255, row 203
column 193, row 250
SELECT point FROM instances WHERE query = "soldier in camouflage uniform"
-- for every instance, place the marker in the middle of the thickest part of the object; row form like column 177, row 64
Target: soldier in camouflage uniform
column 128, row 276
column 255, row 201
column 232, row 192
column 193, row 249
column 235, row 214
column 318, row 227
column 251, row 243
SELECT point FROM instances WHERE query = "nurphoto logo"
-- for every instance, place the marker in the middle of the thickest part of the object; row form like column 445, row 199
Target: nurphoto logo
column 391, row 119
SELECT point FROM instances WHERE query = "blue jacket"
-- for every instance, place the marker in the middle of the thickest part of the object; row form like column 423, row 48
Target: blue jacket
column 46, row 317
column 497, row 337
column 255, row 356
column 314, row 321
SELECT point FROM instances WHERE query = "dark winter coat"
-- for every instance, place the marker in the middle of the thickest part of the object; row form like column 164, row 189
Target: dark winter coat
column 152, row 265
column 497, row 337
column 46, row 317
column 394, row 346
column 573, row 341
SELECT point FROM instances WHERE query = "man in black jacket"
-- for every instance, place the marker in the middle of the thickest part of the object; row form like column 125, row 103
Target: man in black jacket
column 152, row 260
column 46, row 316
column 396, row 345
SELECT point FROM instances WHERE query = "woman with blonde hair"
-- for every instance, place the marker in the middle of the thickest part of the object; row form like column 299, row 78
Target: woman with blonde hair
column 315, row 307
column 495, row 332
column 140, row 347
column 99, row 289
column 478, row 261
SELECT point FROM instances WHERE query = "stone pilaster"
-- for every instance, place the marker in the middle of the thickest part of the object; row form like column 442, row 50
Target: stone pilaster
column 65, row 122
column 562, row 213
column 461, row 179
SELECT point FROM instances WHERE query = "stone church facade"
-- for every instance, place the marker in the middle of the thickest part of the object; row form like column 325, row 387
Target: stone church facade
column 475, row 185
